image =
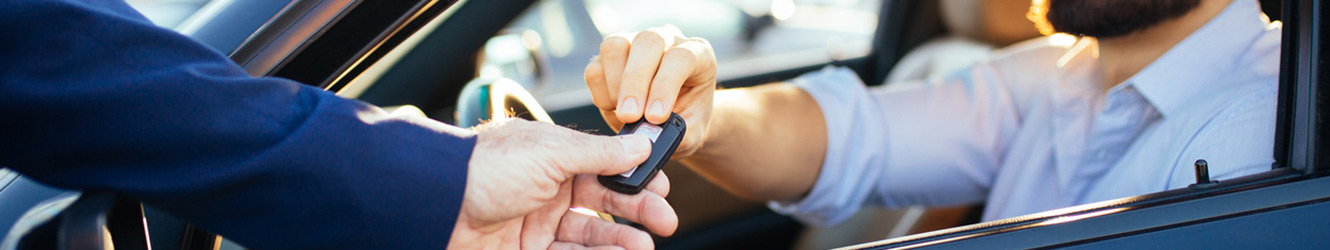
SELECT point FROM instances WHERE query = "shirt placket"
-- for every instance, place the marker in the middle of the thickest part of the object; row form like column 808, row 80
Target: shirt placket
column 1124, row 116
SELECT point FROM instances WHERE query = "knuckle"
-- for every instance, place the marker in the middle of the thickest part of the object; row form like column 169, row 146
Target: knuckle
column 608, row 148
column 681, row 53
column 635, row 81
column 607, row 200
column 703, row 43
column 593, row 70
column 664, row 86
column 649, row 37
column 661, row 88
column 636, row 84
column 672, row 28
column 614, row 45
column 701, row 40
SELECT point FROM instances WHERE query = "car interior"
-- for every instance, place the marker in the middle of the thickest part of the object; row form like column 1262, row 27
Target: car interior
column 405, row 56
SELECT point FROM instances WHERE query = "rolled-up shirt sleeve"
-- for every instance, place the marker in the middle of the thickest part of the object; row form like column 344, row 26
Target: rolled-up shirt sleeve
column 911, row 143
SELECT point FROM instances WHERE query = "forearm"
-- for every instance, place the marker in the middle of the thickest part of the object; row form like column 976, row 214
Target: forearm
column 764, row 143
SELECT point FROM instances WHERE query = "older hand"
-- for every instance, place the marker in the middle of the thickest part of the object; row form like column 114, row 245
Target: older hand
column 524, row 176
column 652, row 73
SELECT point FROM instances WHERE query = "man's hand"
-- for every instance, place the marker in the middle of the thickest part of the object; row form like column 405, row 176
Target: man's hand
column 524, row 176
column 652, row 73
column 761, row 143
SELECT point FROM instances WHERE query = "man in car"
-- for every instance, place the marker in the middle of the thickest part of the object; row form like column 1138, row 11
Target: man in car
column 95, row 97
column 1143, row 90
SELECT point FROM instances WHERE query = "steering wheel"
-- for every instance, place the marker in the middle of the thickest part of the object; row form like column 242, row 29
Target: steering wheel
column 486, row 99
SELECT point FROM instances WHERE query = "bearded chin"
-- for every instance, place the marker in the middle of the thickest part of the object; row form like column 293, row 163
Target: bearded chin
column 1113, row 18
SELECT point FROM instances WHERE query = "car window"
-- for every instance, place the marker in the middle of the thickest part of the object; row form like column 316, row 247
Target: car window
column 169, row 13
column 224, row 25
column 6, row 176
column 749, row 36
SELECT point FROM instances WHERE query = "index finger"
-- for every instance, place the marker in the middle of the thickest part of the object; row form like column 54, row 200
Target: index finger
column 601, row 96
column 678, row 66
column 648, row 208
column 643, row 60
column 613, row 56
column 586, row 231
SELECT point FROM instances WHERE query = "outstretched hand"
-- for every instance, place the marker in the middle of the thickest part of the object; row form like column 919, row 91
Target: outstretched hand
column 524, row 176
column 651, row 73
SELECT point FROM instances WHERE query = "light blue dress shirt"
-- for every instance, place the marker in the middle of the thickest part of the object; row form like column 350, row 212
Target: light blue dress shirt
column 1031, row 130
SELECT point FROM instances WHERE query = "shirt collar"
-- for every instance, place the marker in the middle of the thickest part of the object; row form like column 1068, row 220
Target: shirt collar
column 1201, row 59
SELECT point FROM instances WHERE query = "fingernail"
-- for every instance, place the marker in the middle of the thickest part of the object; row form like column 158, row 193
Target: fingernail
column 629, row 106
column 656, row 108
column 635, row 147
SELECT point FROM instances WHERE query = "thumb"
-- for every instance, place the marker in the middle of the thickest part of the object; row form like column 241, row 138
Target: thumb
column 604, row 155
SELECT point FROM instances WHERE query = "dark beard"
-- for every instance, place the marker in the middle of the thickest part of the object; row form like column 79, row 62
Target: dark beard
column 1113, row 18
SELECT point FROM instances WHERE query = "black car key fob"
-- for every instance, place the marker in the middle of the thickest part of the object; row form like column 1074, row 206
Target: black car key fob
column 664, row 138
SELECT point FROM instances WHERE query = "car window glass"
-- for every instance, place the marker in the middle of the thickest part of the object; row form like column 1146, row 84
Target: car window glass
column 6, row 176
column 168, row 13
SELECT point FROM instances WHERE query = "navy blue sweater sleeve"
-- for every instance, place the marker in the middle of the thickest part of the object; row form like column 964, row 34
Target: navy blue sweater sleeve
column 93, row 96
